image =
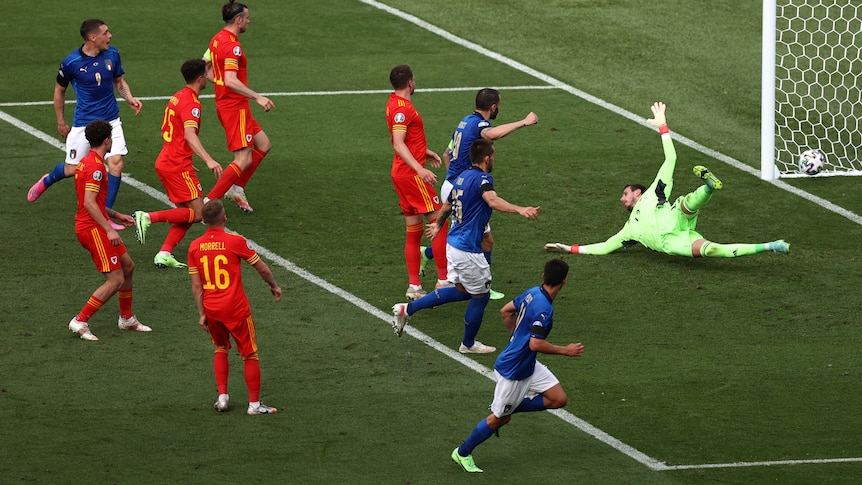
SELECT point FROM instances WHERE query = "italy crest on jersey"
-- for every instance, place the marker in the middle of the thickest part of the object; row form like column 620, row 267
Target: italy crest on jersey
column 108, row 65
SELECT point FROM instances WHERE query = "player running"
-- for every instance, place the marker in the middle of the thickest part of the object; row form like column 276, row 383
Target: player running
column 471, row 203
column 180, row 129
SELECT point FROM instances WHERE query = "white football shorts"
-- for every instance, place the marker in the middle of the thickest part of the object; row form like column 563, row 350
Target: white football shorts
column 508, row 394
column 469, row 269
column 77, row 145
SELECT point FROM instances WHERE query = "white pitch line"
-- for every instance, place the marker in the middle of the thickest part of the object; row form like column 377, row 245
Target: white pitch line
column 583, row 425
column 309, row 93
column 608, row 106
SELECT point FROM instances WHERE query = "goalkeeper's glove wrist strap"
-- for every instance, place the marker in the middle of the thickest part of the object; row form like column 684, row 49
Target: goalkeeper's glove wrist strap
column 663, row 130
column 574, row 249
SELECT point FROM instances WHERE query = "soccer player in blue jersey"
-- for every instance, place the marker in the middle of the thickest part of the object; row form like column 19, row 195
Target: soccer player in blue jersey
column 94, row 70
column 523, row 383
column 665, row 226
column 472, row 127
column 470, row 204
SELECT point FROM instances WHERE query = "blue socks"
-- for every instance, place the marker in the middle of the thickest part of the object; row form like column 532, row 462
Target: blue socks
column 56, row 174
column 435, row 298
column 473, row 318
column 537, row 403
column 480, row 433
column 113, row 188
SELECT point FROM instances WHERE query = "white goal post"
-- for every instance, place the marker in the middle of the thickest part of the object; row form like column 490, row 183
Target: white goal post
column 812, row 86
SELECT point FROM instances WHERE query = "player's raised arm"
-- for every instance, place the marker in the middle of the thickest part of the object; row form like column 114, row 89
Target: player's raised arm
column 665, row 173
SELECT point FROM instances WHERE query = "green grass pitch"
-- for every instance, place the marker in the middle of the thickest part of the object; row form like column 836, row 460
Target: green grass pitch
column 695, row 371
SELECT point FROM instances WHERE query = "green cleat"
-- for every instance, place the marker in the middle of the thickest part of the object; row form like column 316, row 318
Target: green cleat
column 167, row 261
column 496, row 295
column 466, row 462
column 423, row 261
column 780, row 246
column 142, row 223
column 709, row 177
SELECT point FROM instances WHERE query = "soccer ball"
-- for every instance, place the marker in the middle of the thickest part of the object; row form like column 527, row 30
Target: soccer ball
column 811, row 162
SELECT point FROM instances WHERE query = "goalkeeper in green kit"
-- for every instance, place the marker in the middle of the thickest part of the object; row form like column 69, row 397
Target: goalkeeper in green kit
column 664, row 225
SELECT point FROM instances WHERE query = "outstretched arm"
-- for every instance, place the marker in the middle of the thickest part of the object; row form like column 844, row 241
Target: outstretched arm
column 500, row 204
column 497, row 132
column 617, row 241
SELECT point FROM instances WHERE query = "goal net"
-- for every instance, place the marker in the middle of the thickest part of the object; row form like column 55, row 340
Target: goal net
column 812, row 85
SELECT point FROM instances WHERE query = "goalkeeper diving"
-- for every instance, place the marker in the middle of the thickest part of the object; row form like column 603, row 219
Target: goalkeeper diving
column 668, row 226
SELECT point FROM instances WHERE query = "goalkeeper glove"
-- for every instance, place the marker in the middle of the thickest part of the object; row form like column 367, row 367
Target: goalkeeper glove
column 558, row 248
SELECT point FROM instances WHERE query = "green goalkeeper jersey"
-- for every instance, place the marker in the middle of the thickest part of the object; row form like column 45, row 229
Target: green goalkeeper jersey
column 655, row 222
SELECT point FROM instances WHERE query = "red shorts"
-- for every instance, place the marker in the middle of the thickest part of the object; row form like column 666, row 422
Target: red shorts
column 415, row 196
column 181, row 186
column 106, row 256
column 243, row 333
column 239, row 127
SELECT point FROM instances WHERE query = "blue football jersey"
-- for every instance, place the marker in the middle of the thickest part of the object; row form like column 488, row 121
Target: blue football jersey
column 535, row 319
column 468, row 130
column 92, row 78
column 470, row 212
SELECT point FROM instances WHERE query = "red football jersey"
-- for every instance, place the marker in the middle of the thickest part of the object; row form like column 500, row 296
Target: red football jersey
column 227, row 55
column 183, row 111
column 403, row 117
column 217, row 258
column 90, row 176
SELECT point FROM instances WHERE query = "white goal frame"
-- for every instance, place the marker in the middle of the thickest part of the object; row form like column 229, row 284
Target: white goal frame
column 823, row 110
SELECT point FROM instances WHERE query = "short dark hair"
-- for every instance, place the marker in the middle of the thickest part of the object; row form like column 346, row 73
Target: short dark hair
column 556, row 270
column 96, row 132
column 213, row 212
column 231, row 10
column 486, row 97
column 635, row 187
column 90, row 26
column 400, row 76
column 480, row 149
column 193, row 69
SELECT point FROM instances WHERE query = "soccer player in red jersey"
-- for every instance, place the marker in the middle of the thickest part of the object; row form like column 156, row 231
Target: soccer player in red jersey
column 215, row 266
column 245, row 138
column 180, row 128
column 96, row 234
column 413, row 183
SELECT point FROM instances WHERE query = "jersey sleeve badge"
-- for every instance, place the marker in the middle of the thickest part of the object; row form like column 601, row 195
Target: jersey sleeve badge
column 399, row 117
